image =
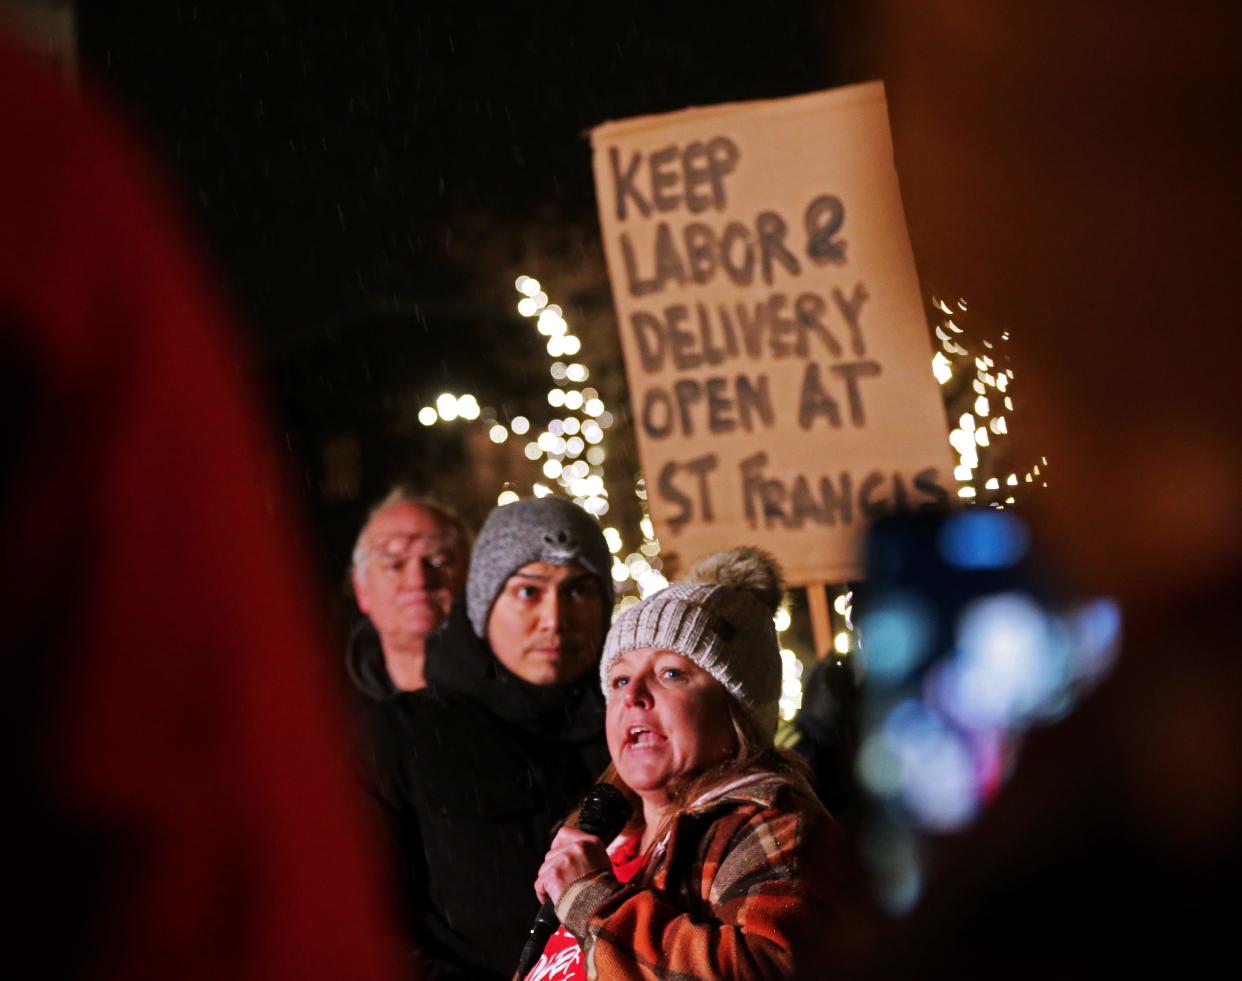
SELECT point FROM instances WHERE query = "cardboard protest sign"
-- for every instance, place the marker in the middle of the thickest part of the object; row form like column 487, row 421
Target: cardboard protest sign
column 773, row 331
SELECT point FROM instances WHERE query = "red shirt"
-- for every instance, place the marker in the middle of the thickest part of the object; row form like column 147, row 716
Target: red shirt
column 562, row 955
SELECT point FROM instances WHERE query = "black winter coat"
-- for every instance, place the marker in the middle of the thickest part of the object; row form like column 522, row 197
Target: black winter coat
column 475, row 772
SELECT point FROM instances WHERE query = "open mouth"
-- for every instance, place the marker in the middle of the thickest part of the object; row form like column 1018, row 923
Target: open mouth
column 640, row 737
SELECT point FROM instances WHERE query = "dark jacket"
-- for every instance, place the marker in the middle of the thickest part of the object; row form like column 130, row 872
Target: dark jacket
column 476, row 771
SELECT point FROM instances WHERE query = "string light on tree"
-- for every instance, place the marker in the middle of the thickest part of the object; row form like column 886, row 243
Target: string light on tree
column 985, row 425
column 571, row 448
column 449, row 408
column 791, row 668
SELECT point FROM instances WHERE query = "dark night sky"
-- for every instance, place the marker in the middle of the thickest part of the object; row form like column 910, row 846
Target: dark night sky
column 330, row 148
column 369, row 175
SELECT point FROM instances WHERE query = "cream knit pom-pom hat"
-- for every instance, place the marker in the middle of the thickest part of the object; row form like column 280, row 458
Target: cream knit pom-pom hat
column 721, row 619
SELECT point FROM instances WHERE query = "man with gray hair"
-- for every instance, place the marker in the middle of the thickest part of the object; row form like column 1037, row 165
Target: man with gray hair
column 409, row 565
column 477, row 768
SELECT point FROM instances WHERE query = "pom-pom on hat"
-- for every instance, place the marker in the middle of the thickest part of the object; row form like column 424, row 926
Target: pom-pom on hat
column 537, row 529
column 721, row 619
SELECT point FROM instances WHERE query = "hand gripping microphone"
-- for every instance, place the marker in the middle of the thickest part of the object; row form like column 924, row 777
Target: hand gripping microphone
column 603, row 813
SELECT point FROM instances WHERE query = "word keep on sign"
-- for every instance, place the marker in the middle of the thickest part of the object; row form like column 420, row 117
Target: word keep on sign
column 772, row 325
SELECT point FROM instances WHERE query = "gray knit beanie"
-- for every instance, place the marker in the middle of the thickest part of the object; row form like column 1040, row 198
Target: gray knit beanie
column 537, row 529
column 721, row 619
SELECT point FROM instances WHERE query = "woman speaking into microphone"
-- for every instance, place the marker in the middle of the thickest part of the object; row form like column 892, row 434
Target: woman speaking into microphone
column 724, row 870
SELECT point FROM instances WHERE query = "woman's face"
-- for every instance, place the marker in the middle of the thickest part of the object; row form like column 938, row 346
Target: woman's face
column 667, row 717
column 547, row 624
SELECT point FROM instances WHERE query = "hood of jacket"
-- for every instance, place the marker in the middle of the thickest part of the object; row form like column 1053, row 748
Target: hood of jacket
column 461, row 663
column 364, row 662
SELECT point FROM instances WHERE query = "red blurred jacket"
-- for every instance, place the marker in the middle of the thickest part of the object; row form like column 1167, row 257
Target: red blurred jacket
column 177, row 799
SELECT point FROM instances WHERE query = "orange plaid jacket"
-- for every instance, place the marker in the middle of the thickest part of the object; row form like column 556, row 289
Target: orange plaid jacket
column 739, row 888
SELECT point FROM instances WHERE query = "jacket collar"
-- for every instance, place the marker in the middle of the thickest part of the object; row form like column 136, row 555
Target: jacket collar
column 750, row 788
column 458, row 661
column 760, row 789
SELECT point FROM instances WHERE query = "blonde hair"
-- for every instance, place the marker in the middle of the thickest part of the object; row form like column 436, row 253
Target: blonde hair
column 751, row 754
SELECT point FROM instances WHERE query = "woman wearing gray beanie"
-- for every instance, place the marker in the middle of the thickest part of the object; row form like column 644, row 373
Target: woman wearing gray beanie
column 725, row 869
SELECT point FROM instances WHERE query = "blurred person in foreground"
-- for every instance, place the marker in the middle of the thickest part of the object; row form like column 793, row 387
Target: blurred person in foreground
column 409, row 565
column 477, row 768
column 727, row 868
column 1072, row 171
column 175, row 803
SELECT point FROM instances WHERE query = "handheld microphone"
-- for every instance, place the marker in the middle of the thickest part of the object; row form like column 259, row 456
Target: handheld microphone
column 602, row 814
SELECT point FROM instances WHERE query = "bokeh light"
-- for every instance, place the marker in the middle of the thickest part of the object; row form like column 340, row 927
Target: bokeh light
column 896, row 637
column 983, row 539
column 446, row 407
